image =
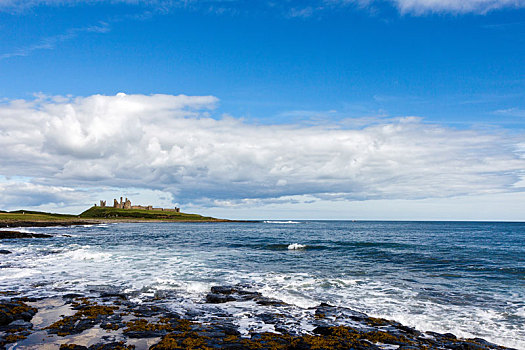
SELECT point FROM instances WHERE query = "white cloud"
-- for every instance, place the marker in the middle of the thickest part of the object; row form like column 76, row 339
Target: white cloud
column 455, row 6
column 168, row 143
column 51, row 42
column 17, row 194
column 512, row 112
column 289, row 8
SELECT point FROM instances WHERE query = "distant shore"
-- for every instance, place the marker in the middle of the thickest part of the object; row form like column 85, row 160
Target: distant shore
column 24, row 223
column 22, row 218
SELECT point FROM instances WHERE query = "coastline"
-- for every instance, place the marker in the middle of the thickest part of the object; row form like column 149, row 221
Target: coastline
column 12, row 224
column 114, row 320
column 40, row 219
column 9, row 220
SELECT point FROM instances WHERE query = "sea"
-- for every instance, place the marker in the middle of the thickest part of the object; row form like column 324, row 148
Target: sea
column 466, row 278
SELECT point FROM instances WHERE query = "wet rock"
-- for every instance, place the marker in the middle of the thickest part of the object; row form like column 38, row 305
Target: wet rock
column 269, row 318
column 20, row 323
column 213, row 298
column 14, row 321
column 44, row 223
column 16, row 234
column 72, row 296
column 112, row 346
column 264, row 301
column 224, row 294
column 142, row 328
column 88, row 315
column 15, row 310
column 72, row 347
column 147, row 311
column 224, row 290
column 219, row 331
column 100, row 346
column 113, row 294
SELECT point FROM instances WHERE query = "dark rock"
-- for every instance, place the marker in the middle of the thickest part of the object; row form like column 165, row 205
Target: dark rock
column 213, row 298
column 71, row 296
column 223, row 290
column 44, row 223
column 72, row 347
column 147, row 311
column 269, row 302
column 15, row 310
column 325, row 305
column 268, row 318
column 322, row 330
column 113, row 295
column 16, row 234
column 5, row 318
column 410, row 331
column 111, row 346
column 20, row 323
column 3, row 251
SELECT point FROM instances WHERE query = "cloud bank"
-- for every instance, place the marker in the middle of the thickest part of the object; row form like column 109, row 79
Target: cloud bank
column 293, row 8
column 171, row 144
column 420, row 7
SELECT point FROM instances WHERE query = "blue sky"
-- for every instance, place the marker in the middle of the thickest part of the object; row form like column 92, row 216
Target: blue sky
column 442, row 67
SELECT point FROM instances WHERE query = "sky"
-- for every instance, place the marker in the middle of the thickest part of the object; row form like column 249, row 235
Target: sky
column 265, row 109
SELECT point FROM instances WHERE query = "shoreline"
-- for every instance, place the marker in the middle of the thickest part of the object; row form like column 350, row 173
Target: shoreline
column 115, row 320
column 79, row 222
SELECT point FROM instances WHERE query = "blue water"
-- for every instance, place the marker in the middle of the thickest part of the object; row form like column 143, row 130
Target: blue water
column 460, row 277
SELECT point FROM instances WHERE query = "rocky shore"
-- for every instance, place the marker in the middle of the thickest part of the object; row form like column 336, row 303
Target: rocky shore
column 22, row 223
column 17, row 234
column 115, row 320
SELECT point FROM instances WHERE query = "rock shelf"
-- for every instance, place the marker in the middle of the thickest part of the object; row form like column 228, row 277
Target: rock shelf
column 113, row 321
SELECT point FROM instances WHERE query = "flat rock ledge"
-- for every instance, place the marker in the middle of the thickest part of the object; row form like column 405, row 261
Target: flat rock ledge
column 16, row 234
column 123, row 324
column 20, row 223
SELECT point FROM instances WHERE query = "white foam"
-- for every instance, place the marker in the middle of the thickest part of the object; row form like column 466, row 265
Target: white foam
column 16, row 273
column 85, row 254
column 296, row 246
column 281, row 222
column 19, row 229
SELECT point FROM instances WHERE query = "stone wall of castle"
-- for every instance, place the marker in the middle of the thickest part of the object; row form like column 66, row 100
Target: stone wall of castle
column 127, row 205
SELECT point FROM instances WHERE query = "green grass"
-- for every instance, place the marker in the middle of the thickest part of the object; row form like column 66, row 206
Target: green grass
column 98, row 213
column 25, row 215
column 112, row 213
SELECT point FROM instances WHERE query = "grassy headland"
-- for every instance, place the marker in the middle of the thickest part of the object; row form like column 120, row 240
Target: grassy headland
column 26, row 218
column 142, row 215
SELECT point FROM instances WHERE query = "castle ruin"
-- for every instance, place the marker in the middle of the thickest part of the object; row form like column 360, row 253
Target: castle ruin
column 127, row 205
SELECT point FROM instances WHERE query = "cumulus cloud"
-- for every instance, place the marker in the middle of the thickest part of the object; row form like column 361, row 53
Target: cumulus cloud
column 26, row 194
column 171, row 144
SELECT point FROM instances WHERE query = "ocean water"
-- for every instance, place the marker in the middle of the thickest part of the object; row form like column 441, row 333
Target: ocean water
column 459, row 277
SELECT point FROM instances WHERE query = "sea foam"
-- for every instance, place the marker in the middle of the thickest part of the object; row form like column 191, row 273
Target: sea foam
column 296, row 246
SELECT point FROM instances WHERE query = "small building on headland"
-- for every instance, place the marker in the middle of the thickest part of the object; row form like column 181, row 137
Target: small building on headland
column 127, row 205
